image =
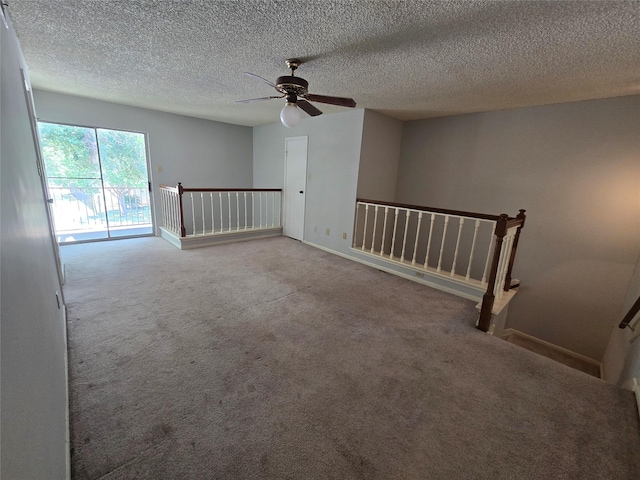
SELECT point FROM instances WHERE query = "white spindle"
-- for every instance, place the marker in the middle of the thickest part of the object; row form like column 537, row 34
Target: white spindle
column 426, row 256
column 355, row 228
column 266, row 209
column 171, row 207
column 384, row 230
column 406, row 228
column 375, row 225
column 415, row 245
column 473, row 247
column 273, row 209
column 212, row 210
column 444, row 236
column 229, row 203
column 202, row 204
column 364, row 232
column 393, row 238
column 245, row 210
column 260, row 209
column 501, row 271
column 193, row 214
column 486, row 264
column 237, row 211
column 253, row 210
column 455, row 254
column 221, row 217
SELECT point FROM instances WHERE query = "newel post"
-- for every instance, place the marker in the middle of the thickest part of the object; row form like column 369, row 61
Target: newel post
column 487, row 300
column 507, row 282
column 183, row 231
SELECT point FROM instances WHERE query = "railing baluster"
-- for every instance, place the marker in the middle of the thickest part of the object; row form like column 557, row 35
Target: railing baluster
column 444, row 236
column 245, row 210
column 486, row 264
column 273, row 210
column 364, row 232
column 229, row 202
column 426, row 256
column 384, row 230
column 354, row 243
column 193, row 215
column 406, row 228
column 213, row 222
column 221, row 217
column 237, row 212
column 393, row 238
column 260, row 209
column 503, row 265
column 253, row 210
column 415, row 245
column 473, row 247
column 455, row 254
column 202, row 204
column 375, row 225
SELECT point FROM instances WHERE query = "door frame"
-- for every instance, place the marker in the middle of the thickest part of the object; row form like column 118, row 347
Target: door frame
column 284, row 190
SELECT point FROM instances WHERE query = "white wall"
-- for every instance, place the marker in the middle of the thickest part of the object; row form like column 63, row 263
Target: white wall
column 33, row 335
column 575, row 167
column 332, row 172
column 196, row 152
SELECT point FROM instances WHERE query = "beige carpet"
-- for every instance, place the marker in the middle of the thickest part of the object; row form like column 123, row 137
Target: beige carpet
column 271, row 359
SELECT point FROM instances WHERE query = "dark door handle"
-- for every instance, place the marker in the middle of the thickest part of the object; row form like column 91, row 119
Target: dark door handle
column 49, row 200
column 301, row 191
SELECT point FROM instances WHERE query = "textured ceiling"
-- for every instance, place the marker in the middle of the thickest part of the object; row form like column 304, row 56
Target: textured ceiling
column 407, row 59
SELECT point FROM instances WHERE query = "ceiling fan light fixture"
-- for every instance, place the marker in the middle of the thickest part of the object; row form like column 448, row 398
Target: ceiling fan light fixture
column 290, row 115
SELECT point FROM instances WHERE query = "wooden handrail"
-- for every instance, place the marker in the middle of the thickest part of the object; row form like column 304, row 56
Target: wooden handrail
column 460, row 213
column 232, row 189
column 185, row 189
column 633, row 311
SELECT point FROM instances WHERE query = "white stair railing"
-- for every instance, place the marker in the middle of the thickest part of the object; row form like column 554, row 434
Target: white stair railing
column 211, row 211
column 441, row 242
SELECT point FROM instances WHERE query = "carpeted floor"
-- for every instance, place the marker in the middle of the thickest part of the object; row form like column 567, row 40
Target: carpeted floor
column 270, row 359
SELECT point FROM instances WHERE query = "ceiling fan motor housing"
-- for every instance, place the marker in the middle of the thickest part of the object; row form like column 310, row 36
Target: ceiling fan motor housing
column 290, row 85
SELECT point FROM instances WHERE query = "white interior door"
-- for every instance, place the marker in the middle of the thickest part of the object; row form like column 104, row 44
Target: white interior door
column 295, row 183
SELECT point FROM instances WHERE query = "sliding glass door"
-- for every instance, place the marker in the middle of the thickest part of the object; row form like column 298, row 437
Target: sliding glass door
column 98, row 182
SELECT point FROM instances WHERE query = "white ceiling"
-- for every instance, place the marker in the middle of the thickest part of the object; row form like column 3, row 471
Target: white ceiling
column 407, row 59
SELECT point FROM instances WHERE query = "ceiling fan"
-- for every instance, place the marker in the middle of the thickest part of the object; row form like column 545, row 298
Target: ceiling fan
column 294, row 89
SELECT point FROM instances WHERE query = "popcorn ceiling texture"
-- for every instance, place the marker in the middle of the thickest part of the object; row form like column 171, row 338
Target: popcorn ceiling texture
column 407, row 59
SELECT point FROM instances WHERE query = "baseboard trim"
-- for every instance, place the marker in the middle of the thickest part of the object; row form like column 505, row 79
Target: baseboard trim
column 67, row 436
column 395, row 272
column 584, row 358
column 198, row 241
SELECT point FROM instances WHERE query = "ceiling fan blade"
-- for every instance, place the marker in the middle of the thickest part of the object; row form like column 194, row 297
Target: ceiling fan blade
column 251, row 100
column 342, row 101
column 310, row 109
column 260, row 78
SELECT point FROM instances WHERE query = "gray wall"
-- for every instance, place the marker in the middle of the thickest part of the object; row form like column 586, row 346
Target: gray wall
column 33, row 345
column 575, row 168
column 196, row 152
column 379, row 156
column 332, row 172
